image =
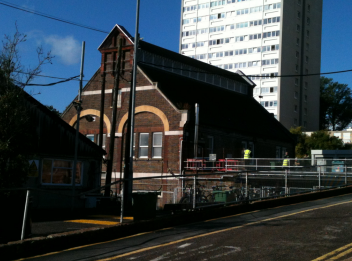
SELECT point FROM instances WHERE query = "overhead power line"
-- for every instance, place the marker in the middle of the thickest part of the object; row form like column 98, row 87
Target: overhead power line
column 50, row 16
column 74, row 77
column 48, row 84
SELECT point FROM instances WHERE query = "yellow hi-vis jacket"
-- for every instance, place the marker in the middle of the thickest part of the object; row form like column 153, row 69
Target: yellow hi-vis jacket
column 285, row 163
column 247, row 154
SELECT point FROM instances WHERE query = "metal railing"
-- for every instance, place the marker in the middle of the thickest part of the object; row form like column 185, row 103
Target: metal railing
column 262, row 178
column 238, row 164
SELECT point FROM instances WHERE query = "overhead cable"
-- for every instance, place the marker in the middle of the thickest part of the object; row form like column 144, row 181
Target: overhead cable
column 157, row 65
column 47, row 84
column 50, row 16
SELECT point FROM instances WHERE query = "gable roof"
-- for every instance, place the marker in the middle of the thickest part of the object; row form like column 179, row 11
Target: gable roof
column 121, row 29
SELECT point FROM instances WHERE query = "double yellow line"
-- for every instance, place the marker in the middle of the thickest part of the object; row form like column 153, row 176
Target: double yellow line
column 336, row 254
column 221, row 231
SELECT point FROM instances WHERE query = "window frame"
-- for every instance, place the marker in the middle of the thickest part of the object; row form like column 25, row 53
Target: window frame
column 157, row 146
column 143, row 146
column 52, row 168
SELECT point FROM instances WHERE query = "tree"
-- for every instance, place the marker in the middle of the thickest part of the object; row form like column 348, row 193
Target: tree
column 51, row 108
column 319, row 140
column 335, row 105
column 301, row 148
column 15, row 139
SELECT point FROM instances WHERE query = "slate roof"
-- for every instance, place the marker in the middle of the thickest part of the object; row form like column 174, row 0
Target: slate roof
column 193, row 62
column 219, row 107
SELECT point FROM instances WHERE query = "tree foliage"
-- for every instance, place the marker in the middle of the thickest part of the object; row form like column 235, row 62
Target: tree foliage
column 319, row 140
column 51, row 108
column 15, row 139
column 335, row 105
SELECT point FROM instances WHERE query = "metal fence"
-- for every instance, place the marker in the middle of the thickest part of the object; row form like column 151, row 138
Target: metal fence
column 236, row 164
column 245, row 180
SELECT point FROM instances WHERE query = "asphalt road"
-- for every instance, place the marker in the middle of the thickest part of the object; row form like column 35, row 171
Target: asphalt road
column 316, row 230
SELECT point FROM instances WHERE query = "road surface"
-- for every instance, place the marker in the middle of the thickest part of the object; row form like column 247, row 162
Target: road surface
column 315, row 230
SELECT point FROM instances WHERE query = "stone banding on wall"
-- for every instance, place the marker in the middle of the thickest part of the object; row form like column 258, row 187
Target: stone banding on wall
column 145, row 108
column 92, row 112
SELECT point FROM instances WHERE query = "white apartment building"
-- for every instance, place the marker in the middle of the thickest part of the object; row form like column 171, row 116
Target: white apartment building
column 275, row 42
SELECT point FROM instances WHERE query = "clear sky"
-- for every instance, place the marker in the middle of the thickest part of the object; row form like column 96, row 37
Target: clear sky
column 159, row 25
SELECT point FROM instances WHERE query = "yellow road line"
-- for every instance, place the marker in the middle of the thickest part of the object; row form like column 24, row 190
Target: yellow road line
column 79, row 247
column 140, row 234
column 231, row 216
column 215, row 232
column 332, row 253
column 96, row 222
column 341, row 254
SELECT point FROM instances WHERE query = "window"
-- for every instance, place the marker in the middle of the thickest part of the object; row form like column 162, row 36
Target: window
column 157, row 144
column 305, row 98
column 59, row 172
column 297, row 41
column 134, row 145
column 273, row 89
column 308, row 21
column 305, row 111
column 295, row 122
column 296, row 95
column 104, row 140
column 306, row 85
column 118, row 104
column 298, row 28
column 90, row 136
column 307, row 59
column 298, row 14
column 297, row 54
column 307, row 33
column 308, row 8
column 296, row 67
column 296, row 81
column 143, row 145
column 295, row 108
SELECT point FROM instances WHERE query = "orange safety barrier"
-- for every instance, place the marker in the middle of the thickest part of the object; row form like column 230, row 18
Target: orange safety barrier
column 195, row 164
column 221, row 164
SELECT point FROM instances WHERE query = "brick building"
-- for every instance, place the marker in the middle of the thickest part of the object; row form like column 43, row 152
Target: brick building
column 168, row 87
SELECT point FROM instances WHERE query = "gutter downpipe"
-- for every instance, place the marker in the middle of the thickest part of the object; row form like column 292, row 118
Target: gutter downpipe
column 196, row 131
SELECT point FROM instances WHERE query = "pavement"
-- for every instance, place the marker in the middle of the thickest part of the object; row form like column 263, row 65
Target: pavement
column 46, row 228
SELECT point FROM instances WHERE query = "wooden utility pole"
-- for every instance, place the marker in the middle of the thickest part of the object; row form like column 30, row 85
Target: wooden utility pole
column 113, row 122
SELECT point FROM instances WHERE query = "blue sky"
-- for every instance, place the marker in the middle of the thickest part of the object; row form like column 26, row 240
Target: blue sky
column 159, row 25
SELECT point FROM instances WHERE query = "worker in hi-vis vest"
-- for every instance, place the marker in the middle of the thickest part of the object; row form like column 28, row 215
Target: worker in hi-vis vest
column 286, row 161
column 247, row 154
column 246, row 157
